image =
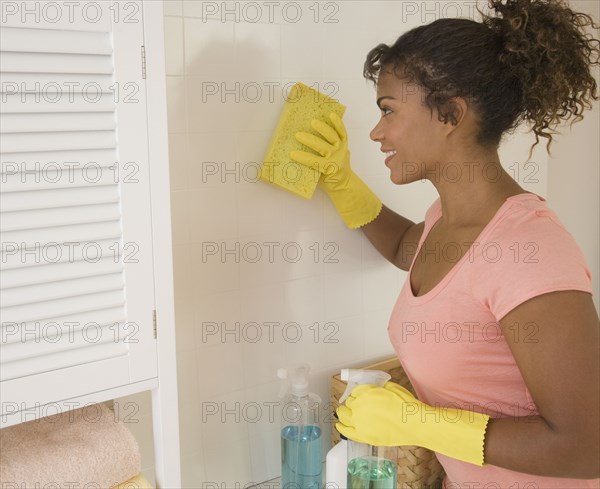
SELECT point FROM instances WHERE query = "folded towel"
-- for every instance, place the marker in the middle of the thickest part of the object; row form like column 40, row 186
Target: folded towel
column 137, row 482
column 83, row 446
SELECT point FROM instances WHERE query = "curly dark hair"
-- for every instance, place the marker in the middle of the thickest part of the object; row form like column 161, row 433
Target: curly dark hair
column 528, row 60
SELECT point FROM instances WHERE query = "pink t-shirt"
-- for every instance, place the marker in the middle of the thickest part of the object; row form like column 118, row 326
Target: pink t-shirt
column 449, row 340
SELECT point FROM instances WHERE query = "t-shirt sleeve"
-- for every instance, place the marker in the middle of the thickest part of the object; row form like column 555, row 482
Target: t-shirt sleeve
column 528, row 254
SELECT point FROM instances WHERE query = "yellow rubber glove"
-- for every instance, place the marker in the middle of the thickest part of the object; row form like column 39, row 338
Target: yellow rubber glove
column 392, row 416
column 354, row 201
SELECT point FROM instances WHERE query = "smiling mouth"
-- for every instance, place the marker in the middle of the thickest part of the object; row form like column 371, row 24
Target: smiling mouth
column 389, row 155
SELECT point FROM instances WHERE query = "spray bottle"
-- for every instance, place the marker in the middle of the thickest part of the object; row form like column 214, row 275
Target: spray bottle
column 363, row 458
column 301, row 440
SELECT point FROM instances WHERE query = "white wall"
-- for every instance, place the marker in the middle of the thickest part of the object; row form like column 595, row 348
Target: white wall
column 211, row 133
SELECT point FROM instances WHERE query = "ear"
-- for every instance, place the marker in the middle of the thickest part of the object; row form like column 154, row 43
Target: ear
column 453, row 113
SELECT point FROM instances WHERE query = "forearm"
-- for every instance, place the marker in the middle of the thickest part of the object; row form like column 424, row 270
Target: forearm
column 385, row 234
column 530, row 445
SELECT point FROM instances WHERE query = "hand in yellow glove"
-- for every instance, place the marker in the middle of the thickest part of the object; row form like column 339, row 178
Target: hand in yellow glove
column 355, row 202
column 392, row 416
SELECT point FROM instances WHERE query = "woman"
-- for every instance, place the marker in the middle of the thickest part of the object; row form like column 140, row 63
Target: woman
column 495, row 325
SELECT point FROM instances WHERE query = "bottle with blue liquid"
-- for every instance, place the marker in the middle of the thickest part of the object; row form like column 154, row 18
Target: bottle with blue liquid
column 301, row 440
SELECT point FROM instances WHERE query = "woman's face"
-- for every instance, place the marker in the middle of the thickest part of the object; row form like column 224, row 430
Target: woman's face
column 409, row 133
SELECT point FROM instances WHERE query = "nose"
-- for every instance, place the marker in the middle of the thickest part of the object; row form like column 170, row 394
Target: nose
column 377, row 132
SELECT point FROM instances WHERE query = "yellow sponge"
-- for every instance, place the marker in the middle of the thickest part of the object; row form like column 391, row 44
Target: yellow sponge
column 302, row 105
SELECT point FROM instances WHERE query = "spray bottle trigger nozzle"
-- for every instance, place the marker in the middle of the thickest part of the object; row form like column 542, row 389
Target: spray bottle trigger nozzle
column 356, row 377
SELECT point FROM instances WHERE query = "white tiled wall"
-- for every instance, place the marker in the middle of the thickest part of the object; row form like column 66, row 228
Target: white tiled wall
column 331, row 305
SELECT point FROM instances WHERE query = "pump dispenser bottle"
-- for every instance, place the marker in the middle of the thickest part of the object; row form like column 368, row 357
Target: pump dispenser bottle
column 301, row 440
column 354, row 465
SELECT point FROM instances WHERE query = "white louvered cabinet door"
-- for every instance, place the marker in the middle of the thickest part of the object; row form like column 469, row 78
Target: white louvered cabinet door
column 76, row 276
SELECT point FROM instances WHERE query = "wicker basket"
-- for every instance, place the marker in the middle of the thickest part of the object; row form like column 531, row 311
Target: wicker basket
column 418, row 468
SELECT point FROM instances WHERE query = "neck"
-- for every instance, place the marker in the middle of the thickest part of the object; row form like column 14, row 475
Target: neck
column 472, row 187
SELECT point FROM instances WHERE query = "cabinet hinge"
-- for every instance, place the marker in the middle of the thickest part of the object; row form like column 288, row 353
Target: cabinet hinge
column 154, row 322
column 143, row 62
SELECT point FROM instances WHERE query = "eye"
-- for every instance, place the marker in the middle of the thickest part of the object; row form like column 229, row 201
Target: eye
column 385, row 111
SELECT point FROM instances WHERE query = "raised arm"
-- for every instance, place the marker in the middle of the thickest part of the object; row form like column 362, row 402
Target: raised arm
column 395, row 237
